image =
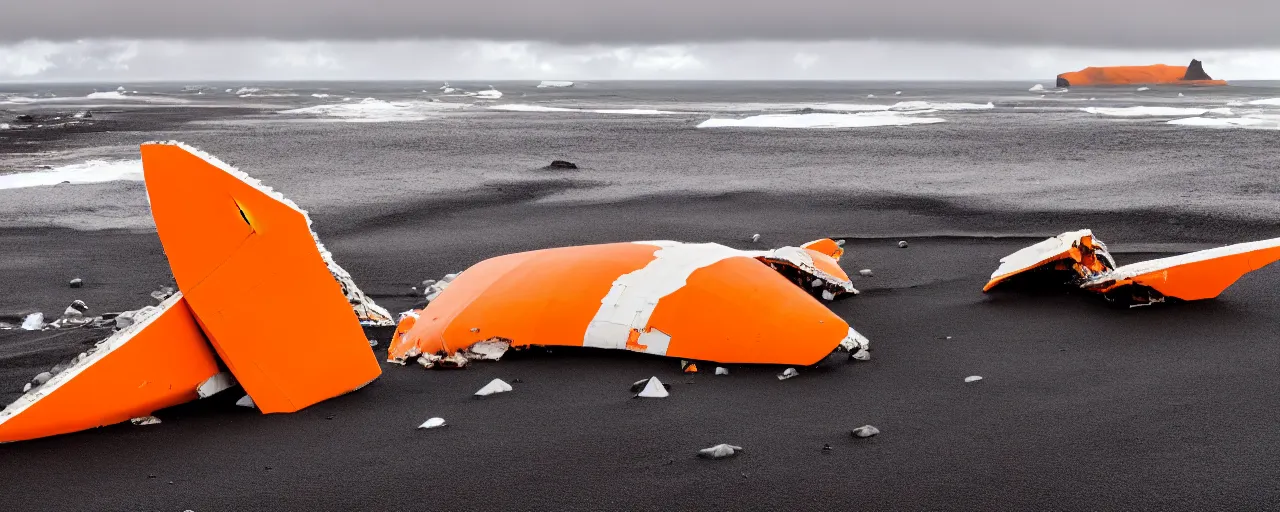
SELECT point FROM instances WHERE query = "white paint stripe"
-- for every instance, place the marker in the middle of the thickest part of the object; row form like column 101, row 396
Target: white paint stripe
column 634, row 296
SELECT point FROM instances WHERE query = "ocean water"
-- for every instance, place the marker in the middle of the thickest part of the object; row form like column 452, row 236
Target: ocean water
column 351, row 148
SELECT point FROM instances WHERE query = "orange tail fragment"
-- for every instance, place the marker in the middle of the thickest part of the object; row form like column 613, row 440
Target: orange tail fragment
column 156, row 363
column 245, row 259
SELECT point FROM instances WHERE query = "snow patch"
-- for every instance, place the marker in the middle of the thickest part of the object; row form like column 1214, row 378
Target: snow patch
column 1256, row 122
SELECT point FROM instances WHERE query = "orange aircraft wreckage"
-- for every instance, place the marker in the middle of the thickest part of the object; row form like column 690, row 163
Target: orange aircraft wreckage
column 1192, row 74
column 231, row 243
column 699, row 302
column 1079, row 259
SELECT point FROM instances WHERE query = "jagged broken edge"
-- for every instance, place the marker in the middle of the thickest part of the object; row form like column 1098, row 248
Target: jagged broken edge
column 99, row 352
column 373, row 314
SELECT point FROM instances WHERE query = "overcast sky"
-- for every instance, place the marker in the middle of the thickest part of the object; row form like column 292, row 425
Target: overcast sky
column 121, row 40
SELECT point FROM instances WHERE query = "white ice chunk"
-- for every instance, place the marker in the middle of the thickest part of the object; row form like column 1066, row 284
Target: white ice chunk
column 432, row 423
column 1140, row 89
column 216, row 383
column 755, row 237
column 33, row 322
column 720, row 370
column 246, row 401
column 494, row 386
column 827, row 295
column 1036, row 88
column 866, row 272
column 788, row 373
column 554, row 84
column 973, row 378
column 719, row 451
column 865, row 431
column 654, row 389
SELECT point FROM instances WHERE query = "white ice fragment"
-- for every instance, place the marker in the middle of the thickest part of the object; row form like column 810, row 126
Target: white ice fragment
column 494, row 386
column 755, row 237
column 827, row 295
column 865, row 431
column 902, row 244
column 1140, row 89
column 720, row 370
column 214, row 384
column 246, row 401
column 866, row 272
column 33, row 322
column 788, row 373
column 973, row 378
column 26, row 388
column 817, row 282
column 1036, row 88
column 899, row 93
column 554, row 83
column 719, row 451
column 861, row 355
column 146, row 420
column 1181, row 95
column 654, row 389
column 432, row 423
column 871, row 95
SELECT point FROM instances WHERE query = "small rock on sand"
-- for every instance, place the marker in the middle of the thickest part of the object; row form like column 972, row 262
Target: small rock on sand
column 866, row 272
column 76, row 283
column 902, row 244
column 432, row 423
column 561, row 164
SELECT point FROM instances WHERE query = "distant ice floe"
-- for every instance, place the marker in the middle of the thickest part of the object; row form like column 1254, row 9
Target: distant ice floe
column 1036, row 88
column 1142, row 111
column 520, row 107
column 554, row 83
column 108, row 95
column 491, row 94
column 92, row 171
column 1269, row 102
column 320, row 95
column 819, row 120
column 1252, row 122
column 245, row 90
column 372, row 110
column 1140, row 89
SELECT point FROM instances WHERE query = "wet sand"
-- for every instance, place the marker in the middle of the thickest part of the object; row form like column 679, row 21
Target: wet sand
column 1081, row 406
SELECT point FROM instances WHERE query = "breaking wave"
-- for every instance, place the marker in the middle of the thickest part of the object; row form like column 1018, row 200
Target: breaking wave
column 371, row 110
column 1155, row 111
column 819, row 120
column 521, row 107
column 1256, row 122
column 554, row 83
column 92, row 171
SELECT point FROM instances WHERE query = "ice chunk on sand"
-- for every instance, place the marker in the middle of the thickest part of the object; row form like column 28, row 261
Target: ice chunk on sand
column 33, row 322
column 866, row 272
column 788, row 373
column 432, row 423
column 720, row 370
column 653, row 389
column 973, row 378
column 719, row 451
column 755, row 237
column 246, row 401
column 864, row 431
column 1140, row 89
column 494, row 386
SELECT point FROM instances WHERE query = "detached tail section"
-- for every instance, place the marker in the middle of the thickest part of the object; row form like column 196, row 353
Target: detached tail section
column 244, row 256
column 257, row 294
column 1192, row 74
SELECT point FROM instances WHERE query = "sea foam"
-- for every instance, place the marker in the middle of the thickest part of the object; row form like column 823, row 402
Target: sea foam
column 819, row 120
column 372, row 110
column 554, row 83
column 1256, row 123
column 92, row 171
column 520, row 107
column 1142, row 111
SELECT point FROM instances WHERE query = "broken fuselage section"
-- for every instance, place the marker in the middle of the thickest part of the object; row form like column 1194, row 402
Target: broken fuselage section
column 700, row 302
column 1078, row 259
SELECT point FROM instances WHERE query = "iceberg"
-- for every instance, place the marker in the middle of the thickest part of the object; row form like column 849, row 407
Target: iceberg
column 554, row 84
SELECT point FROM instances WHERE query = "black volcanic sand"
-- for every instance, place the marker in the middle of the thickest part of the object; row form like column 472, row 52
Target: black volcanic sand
column 1081, row 406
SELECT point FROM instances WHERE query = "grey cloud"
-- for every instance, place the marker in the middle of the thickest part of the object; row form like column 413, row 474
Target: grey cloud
column 1092, row 23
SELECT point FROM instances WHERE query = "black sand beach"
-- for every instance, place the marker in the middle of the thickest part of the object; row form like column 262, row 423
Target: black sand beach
column 1080, row 404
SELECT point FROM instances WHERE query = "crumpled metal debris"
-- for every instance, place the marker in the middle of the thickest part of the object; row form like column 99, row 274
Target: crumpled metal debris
column 145, row 420
column 719, row 451
column 33, row 322
column 1078, row 259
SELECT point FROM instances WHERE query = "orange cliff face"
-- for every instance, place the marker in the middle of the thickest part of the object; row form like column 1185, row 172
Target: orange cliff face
column 1192, row 74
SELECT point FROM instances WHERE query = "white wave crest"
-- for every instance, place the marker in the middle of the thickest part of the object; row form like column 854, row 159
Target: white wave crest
column 1256, row 122
column 554, row 83
column 108, row 95
column 907, row 106
column 1269, row 102
column 372, row 110
column 1142, row 111
column 1036, row 88
column 320, row 95
column 92, row 171
column 4, row 126
column 245, row 90
column 520, row 107
column 491, row 94
column 865, row 120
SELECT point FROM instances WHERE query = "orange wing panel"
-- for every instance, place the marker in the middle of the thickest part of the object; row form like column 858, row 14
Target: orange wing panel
column 160, row 365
